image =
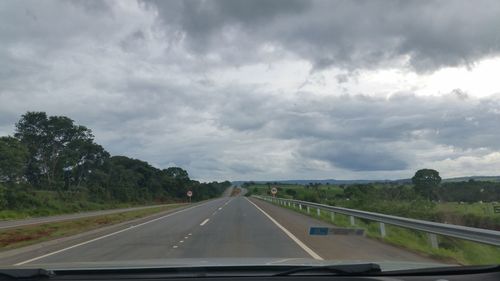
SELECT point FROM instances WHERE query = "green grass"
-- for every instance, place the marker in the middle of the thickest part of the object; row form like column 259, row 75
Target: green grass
column 450, row 250
column 480, row 209
column 28, row 235
column 49, row 203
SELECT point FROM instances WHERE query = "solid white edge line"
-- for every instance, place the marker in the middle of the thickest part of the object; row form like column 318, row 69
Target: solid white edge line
column 107, row 235
column 204, row 222
column 293, row 237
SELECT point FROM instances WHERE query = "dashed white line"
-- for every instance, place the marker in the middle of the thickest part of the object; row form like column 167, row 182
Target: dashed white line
column 104, row 236
column 189, row 234
column 220, row 208
column 182, row 241
column 186, row 237
column 175, row 246
column 204, row 222
column 295, row 239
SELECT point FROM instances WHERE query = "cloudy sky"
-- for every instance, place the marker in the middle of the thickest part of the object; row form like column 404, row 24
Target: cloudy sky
column 279, row 89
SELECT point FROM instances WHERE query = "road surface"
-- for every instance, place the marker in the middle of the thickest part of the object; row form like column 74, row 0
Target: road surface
column 229, row 227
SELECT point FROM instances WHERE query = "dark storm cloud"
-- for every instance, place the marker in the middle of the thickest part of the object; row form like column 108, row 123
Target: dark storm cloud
column 355, row 156
column 345, row 34
column 177, row 89
column 362, row 133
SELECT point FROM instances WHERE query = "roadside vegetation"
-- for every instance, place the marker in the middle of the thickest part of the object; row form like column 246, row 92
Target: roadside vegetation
column 447, row 202
column 469, row 203
column 32, row 234
column 52, row 166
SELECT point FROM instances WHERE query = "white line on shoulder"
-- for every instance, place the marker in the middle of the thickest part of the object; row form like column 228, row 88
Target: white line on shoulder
column 287, row 232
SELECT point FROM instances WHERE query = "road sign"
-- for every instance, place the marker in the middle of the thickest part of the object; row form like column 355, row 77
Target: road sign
column 274, row 190
column 189, row 193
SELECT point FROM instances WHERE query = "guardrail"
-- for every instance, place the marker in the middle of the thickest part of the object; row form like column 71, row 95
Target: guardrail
column 486, row 236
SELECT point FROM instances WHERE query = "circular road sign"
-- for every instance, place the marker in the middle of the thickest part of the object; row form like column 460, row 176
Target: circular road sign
column 274, row 190
column 189, row 193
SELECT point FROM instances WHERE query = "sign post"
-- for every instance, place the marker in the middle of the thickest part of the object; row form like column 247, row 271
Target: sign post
column 189, row 194
column 274, row 190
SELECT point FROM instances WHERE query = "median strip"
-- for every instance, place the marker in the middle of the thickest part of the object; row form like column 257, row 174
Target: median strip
column 33, row 234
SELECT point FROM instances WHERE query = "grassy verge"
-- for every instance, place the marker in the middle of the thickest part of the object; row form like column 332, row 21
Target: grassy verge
column 41, row 203
column 450, row 249
column 28, row 235
column 71, row 208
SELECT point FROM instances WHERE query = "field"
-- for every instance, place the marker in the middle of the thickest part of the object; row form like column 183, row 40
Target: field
column 480, row 209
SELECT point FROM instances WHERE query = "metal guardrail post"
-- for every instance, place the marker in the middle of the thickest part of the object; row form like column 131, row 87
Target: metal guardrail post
column 382, row 229
column 433, row 240
column 332, row 216
column 318, row 212
column 486, row 236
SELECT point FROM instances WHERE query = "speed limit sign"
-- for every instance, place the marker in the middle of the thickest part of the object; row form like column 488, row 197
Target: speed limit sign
column 274, row 191
column 189, row 193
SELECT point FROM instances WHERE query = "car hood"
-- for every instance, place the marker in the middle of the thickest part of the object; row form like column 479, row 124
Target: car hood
column 227, row 262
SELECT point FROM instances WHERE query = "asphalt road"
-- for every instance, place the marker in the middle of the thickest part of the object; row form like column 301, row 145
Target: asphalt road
column 231, row 227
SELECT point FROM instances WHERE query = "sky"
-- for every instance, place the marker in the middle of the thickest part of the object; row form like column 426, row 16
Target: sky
column 265, row 89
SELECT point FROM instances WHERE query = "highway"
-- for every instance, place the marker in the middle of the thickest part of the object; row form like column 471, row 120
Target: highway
column 229, row 227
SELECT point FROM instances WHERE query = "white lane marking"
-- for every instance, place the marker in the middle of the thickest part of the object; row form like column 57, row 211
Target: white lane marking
column 186, row 237
column 182, row 241
column 295, row 239
column 189, row 234
column 175, row 246
column 204, row 222
column 281, row 261
column 220, row 208
column 104, row 236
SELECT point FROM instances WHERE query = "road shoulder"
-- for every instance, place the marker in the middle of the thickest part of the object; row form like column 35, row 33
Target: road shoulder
column 337, row 247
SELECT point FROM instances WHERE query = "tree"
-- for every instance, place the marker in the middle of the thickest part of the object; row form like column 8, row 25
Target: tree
column 425, row 181
column 30, row 130
column 13, row 158
column 178, row 181
column 177, row 173
column 48, row 139
column 82, row 158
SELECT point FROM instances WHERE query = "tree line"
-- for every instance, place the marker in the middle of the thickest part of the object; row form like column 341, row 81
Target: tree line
column 418, row 200
column 52, row 153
